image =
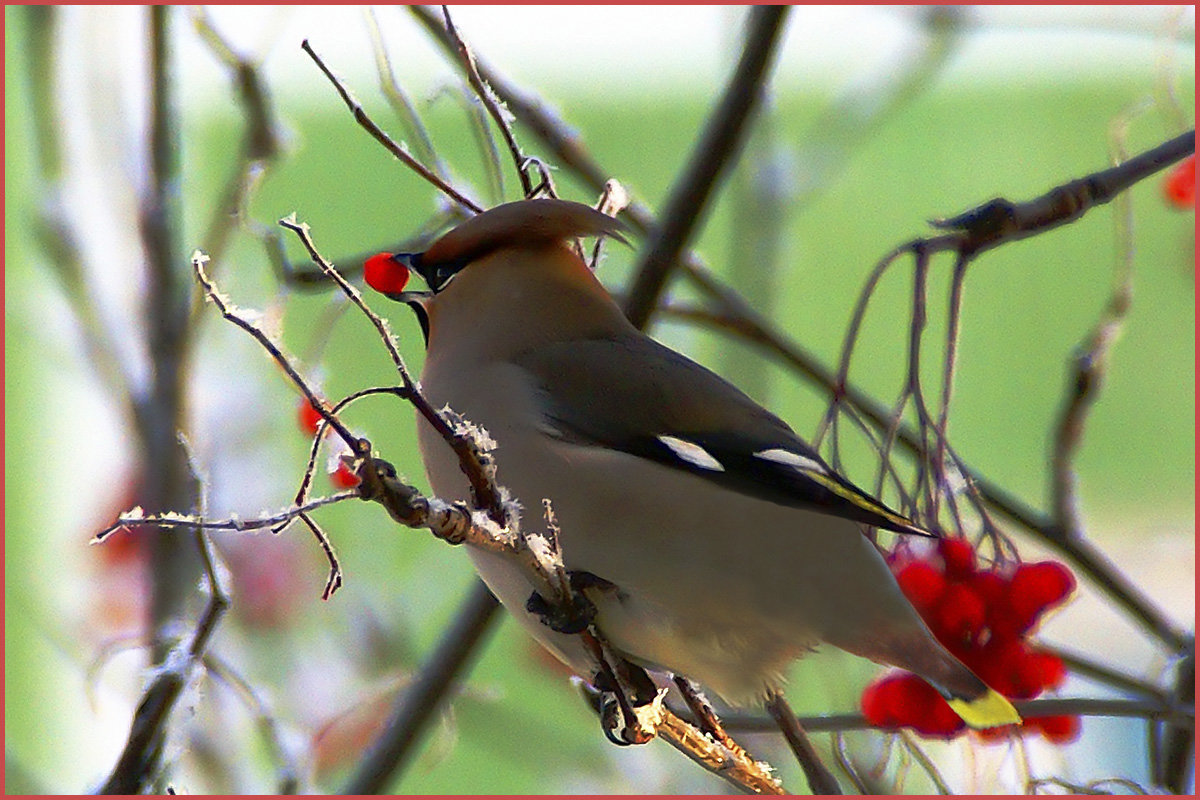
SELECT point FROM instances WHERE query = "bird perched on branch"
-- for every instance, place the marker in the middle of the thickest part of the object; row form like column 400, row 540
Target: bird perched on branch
column 718, row 545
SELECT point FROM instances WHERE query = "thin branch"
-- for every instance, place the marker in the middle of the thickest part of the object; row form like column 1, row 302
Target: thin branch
column 917, row 754
column 999, row 221
column 718, row 146
column 140, row 759
column 739, row 770
column 229, row 312
column 400, row 102
column 260, row 146
column 289, row 770
column 397, row 150
column 484, row 92
column 170, row 519
column 476, row 463
column 1128, row 708
column 820, row 779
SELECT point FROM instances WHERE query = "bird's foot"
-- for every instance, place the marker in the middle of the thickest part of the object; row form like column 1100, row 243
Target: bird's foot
column 581, row 612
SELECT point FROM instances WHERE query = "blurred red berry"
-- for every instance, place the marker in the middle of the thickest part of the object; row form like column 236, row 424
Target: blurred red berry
column 272, row 580
column 308, row 416
column 958, row 556
column 343, row 477
column 902, row 699
column 1037, row 587
column 922, row 584
column 1057, row 729
column 126, row 544
column 881, row 701
column 959, row 614
column 993, row 590
column 1047, row 668
column 1180, row 185
column 383, row 274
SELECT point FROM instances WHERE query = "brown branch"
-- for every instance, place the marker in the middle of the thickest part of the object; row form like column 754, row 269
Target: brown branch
column 1000, row 221
column 397, row 150
column 140, row 758
column 820, row 779
column 718, row 146
column 1124, row 708
column 260, row 146
column 400, row 102
column 738, row 769
column 485, row 95
column 476, row 462
column 158, row 413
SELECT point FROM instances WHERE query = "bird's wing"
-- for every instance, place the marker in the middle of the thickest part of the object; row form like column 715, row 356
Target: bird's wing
column 682, row 415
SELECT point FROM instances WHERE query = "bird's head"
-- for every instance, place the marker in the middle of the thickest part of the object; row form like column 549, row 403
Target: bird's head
column 507, row 276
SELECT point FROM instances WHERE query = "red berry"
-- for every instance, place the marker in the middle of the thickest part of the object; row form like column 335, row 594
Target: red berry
column 939, row 720
column 1180, row 186
column 1003, row 665
column 384, row 275
column 1047, row 668
column 126, row 544
column 343, row 478
column 959, row 557
column 959, row 614
column 922, row 584
column 903, row 699
column 992, row 588
column 994, row 734
column 921, row 707
column 1036, row 587
column 309, row 417
column 1058, row 729
column 881, row 701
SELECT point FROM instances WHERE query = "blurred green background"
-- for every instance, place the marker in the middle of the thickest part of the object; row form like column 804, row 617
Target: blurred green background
column 519, row 726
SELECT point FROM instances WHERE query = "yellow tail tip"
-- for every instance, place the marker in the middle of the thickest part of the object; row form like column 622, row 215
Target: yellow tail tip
column 991, row 710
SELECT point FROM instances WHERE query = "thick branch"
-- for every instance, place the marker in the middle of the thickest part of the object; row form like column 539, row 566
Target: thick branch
column 445, row 668
column 719, row 145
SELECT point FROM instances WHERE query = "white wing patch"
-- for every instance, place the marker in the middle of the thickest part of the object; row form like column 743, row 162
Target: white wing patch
column 790, row 459
column 694, row 454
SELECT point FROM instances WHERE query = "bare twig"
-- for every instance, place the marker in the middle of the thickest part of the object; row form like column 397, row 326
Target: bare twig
column 1000, row 221
column 230, row 313
column 289, row 770
column 485, row 95
column 260, row 142
column 139, row 760
column 718, row 146
column 401, row 103
column 475, row 462
column 738, row 769
column 397, row 150
column 820, row 779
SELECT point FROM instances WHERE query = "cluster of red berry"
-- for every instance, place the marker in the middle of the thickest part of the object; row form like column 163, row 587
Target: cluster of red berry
column 983, row 616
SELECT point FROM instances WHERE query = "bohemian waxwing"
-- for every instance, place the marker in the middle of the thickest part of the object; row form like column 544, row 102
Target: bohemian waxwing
column 725, row 546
